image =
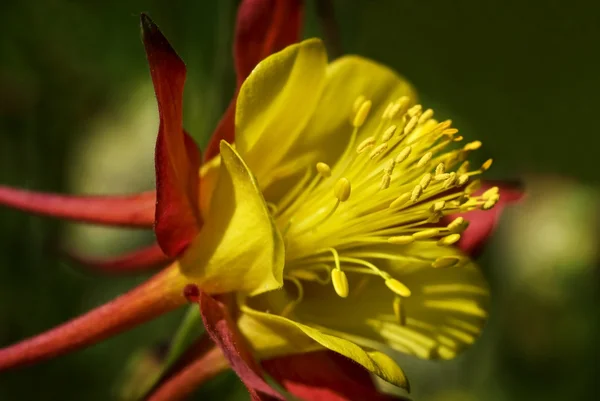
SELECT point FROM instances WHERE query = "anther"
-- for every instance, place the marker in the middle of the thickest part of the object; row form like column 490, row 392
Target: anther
column 389, row 168
column 440, row 169
column 445, row 261
column 450, row 131
column 473, row 186
column 358, row 102
column 340, row 282
column 362, row 113
column 366, row 144
column 441, row 177
column 486, row 165
column 399, row 311
column 378, row 150
column 438, row 206
column 388, row 133
column 449, row 240
column 427, row 233
column 472, row 145
column 415, row 111
column 401, row 240
column 426, row 116
column 342, row 189
column 462, row 180
column 450, row 180
column 456, row 224
column 387, row 110
column 324, row 169
column 393, row 111
column 425, row 159
column 401, row 200
column 410, row 125
column 397, row 287
column 490, row 203
column 416, row 193
column 490, row 193
column 425, row 181
column 464, row 167
column 403, row 155
column 385, row 181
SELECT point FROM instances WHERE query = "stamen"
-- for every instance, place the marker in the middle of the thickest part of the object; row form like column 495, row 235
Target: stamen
column 401, row 240
column 440, row 169
column 427, row 114
column 403, row 155
column 342, row 189
column 449, row 240
column 425, row 159
column 324, row 169
column 445, row 261
column 457, row 225
column 416, row 193
column 398, row 287
column 401, row 200
column 410, row 125
column 427, row 233
column 399, row 311
column 388, row 133
column 486, row 165
column 425, row 181
column 385, row 181
column 364, row 145
column 361, row 114
column 472, row 145
column 358, row 102
column 340, row 282
column 378, row 150
column 462, row 180
column 415, row 110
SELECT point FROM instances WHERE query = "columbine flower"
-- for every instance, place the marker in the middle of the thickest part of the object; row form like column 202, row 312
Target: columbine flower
column 327, row 232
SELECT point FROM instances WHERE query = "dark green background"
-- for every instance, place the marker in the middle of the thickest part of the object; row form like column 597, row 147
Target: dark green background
column 520, row 76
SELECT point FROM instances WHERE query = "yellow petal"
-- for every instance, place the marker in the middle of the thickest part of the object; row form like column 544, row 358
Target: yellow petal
column 239, row 248
column 348, row 78
column 262, row 329
column 444, row 314
column 275, row 103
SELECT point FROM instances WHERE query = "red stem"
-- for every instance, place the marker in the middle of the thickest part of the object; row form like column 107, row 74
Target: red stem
column 156, row 296
column 125, row 210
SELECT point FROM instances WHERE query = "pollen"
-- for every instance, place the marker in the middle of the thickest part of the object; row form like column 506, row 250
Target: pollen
column 395, row 185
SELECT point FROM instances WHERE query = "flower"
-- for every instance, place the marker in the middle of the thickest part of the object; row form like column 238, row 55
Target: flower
column 323, row 228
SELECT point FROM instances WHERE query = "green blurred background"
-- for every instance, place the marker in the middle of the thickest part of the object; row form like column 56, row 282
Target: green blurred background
column 77, row 115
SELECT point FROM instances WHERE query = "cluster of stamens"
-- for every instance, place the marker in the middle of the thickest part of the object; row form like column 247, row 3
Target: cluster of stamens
column 392, row 187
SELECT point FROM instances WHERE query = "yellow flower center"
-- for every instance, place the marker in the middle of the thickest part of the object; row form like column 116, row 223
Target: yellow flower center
column 390, row 186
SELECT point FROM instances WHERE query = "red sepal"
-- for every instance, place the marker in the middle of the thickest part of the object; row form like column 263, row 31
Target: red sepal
column 177, row 158
column 125, row 210
column 223, row 331
column 263, row 27
column 324, row 376
column 137, row 261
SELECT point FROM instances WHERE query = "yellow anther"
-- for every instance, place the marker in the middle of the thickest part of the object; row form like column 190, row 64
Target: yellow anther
column 449, row 240
column 324, row 169
column 427, row 233
column 401, row 200
column 441, row 177
column 387, row 110
column 450, row 181
column 473, row 186
column 358, row 102
column 393, row 112
column 399, row 311
column 403, row 155
column 342, row 189
column 385, row 181
column 425, row 181
column 397, row 287
column 445, row 261
column 490, row 203
column 362, row 113
column 388, row 133
column 389, row 168
column 458, row 138
column 401, row 240
column 464, row 167
column 450, row 131
column 456, row 225
column 378, row 150
column 426, row 116
column 340, row 282
column 472, row 145
column 486, row 165
column 462, row 180
column 440, row 169
column 425, row 159
column 490, row 193
column 415, row 111
column 416, row 193
column 366, row 144
column 438, row 206
column 410, row 125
